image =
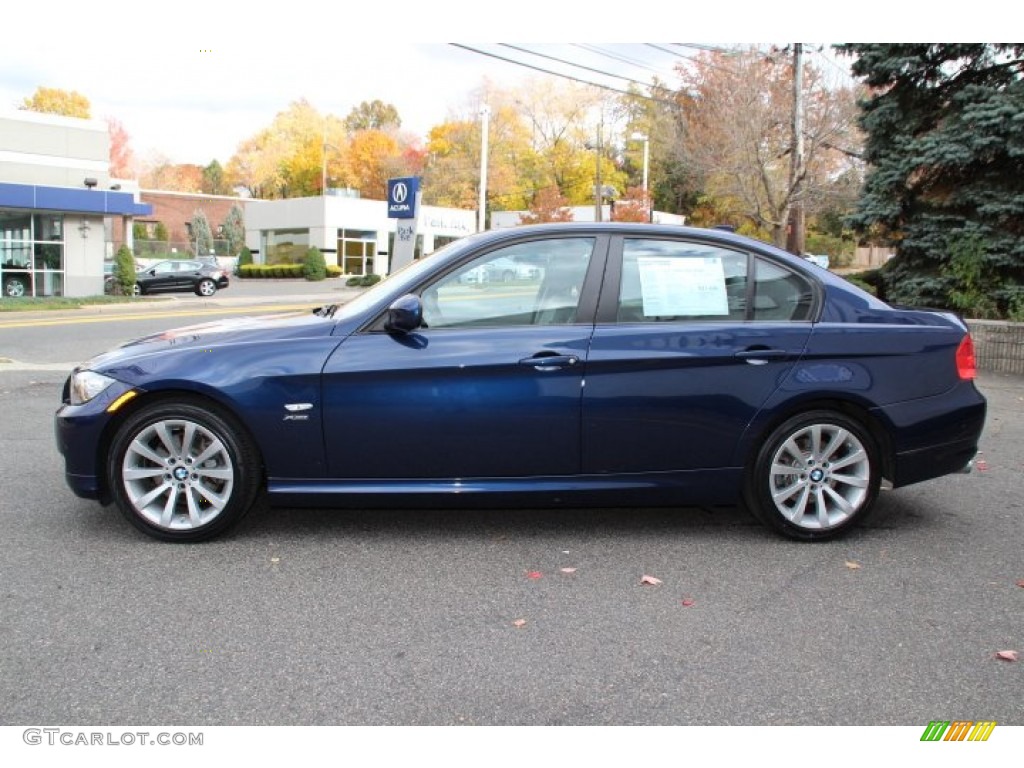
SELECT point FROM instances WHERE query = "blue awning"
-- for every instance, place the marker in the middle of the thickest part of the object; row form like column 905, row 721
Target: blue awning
column 68, row 200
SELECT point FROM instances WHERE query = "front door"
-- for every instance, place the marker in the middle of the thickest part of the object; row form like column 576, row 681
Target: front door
column 489, row 388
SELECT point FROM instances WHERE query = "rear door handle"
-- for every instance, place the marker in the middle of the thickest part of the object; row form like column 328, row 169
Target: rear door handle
column 543, row 361
column 756, row 356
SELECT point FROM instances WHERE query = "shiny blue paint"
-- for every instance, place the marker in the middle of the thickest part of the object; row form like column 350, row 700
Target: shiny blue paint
column 592, row 412
column 461, row 402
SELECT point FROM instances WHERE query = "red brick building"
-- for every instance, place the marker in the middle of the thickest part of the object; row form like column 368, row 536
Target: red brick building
column 175, row 210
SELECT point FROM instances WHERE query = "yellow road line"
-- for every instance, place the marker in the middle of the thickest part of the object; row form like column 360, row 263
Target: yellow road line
column 114, row 317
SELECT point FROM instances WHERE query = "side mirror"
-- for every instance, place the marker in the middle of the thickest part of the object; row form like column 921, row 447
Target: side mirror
column 405, row 314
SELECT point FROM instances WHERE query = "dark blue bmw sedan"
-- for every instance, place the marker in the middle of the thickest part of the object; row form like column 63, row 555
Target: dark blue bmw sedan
column 613, row 364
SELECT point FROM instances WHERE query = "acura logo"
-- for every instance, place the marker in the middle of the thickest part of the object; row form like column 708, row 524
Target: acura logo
column 399, row 192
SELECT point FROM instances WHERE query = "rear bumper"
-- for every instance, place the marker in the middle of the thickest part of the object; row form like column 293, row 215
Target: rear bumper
column 937, row 435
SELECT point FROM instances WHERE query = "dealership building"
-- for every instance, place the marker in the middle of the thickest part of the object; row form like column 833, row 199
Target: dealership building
column 354, row 233
column 58, row 205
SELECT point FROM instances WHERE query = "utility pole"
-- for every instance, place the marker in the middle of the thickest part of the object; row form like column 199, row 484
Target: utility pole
column 485, row 115
column 598, row 189
column 797, row 232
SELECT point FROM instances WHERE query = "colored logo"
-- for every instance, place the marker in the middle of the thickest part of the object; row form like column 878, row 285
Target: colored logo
column 958, row 730
column 402, row 197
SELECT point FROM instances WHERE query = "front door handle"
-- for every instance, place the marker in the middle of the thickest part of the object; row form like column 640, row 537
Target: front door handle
column 549, row 361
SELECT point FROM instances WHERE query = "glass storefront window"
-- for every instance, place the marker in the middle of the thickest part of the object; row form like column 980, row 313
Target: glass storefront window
column 31, row 254
column 356, row 249
column 285, row 246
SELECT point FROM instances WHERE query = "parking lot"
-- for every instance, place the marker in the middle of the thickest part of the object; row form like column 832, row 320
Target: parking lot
column 527, row 617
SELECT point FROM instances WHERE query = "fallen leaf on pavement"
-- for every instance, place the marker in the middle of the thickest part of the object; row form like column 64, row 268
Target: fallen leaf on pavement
column 534, row 574
column 519, row 623
column 650, row 580
column 852, row 565
column 688, row 602
column 568, row 570
column 1007, row 655
column 1020, row 582
column 275, row 559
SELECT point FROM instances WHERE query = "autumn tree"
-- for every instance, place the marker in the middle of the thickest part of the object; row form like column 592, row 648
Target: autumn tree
column 654, row 112
column 158, row 172
column 287, row 158
column 737, row 112
column 566, row 124
column 549, row 205
column 213, row 179
column 634, row 205
column 369, row 162
column 122, row 158
column 56, row 101
column 373, row 116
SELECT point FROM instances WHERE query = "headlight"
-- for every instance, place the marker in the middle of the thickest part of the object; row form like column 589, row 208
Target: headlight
column 85, row 385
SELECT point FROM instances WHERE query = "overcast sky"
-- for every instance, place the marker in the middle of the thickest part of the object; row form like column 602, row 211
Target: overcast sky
column 193, row 84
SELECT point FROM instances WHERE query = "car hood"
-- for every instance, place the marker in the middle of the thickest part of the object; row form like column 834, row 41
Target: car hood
column 239, row 330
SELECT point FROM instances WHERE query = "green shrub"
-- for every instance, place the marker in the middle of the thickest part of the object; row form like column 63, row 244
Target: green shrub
column 314, row 268
column 367, row 280
column 124, row 271
column 244, row 257
column 333, row 270
column 353, row 282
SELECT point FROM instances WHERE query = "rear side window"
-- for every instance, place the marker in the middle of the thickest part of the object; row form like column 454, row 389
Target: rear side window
column 780, row 294
column 673, row 281
column 667, row 280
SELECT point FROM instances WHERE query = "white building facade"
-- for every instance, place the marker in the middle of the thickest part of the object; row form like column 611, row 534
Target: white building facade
column 353, row 233
column 57, row 201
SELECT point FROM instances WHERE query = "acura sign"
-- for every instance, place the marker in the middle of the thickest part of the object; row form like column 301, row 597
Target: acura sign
column 402, row 197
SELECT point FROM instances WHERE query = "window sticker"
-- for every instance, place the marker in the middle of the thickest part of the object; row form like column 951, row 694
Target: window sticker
column 672, row 287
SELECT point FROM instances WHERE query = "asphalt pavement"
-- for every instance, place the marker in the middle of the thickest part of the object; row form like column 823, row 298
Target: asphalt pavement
column 502, row 617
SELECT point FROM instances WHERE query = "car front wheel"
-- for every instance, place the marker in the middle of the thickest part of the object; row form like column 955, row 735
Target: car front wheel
column 182, row 471
column 206, row 288
column 15, row 287
column 816, row 475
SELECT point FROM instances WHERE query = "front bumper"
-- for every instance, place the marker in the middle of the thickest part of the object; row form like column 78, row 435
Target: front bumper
column 82, row 432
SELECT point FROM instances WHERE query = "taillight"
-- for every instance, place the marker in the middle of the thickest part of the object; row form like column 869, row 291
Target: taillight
column 965, row 364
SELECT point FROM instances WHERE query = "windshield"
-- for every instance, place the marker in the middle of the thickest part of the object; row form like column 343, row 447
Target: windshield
column 399, row 282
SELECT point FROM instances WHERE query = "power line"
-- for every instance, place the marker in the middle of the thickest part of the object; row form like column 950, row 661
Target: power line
column 570, row 63
column 569, row 77
column 619, row 57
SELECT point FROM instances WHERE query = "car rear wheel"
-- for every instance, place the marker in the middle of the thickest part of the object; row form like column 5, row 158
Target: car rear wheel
column 206, row 288
column 182, row 471
column 815, row 476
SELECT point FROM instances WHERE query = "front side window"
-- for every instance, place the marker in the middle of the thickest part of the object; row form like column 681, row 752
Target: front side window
column 534, row 283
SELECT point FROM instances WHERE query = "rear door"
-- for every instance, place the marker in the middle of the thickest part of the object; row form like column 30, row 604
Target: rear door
column 691, row 340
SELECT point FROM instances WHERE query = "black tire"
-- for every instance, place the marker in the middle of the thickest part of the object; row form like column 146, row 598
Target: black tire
column 206, row 288
column 183, row 471
column 815, row 476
